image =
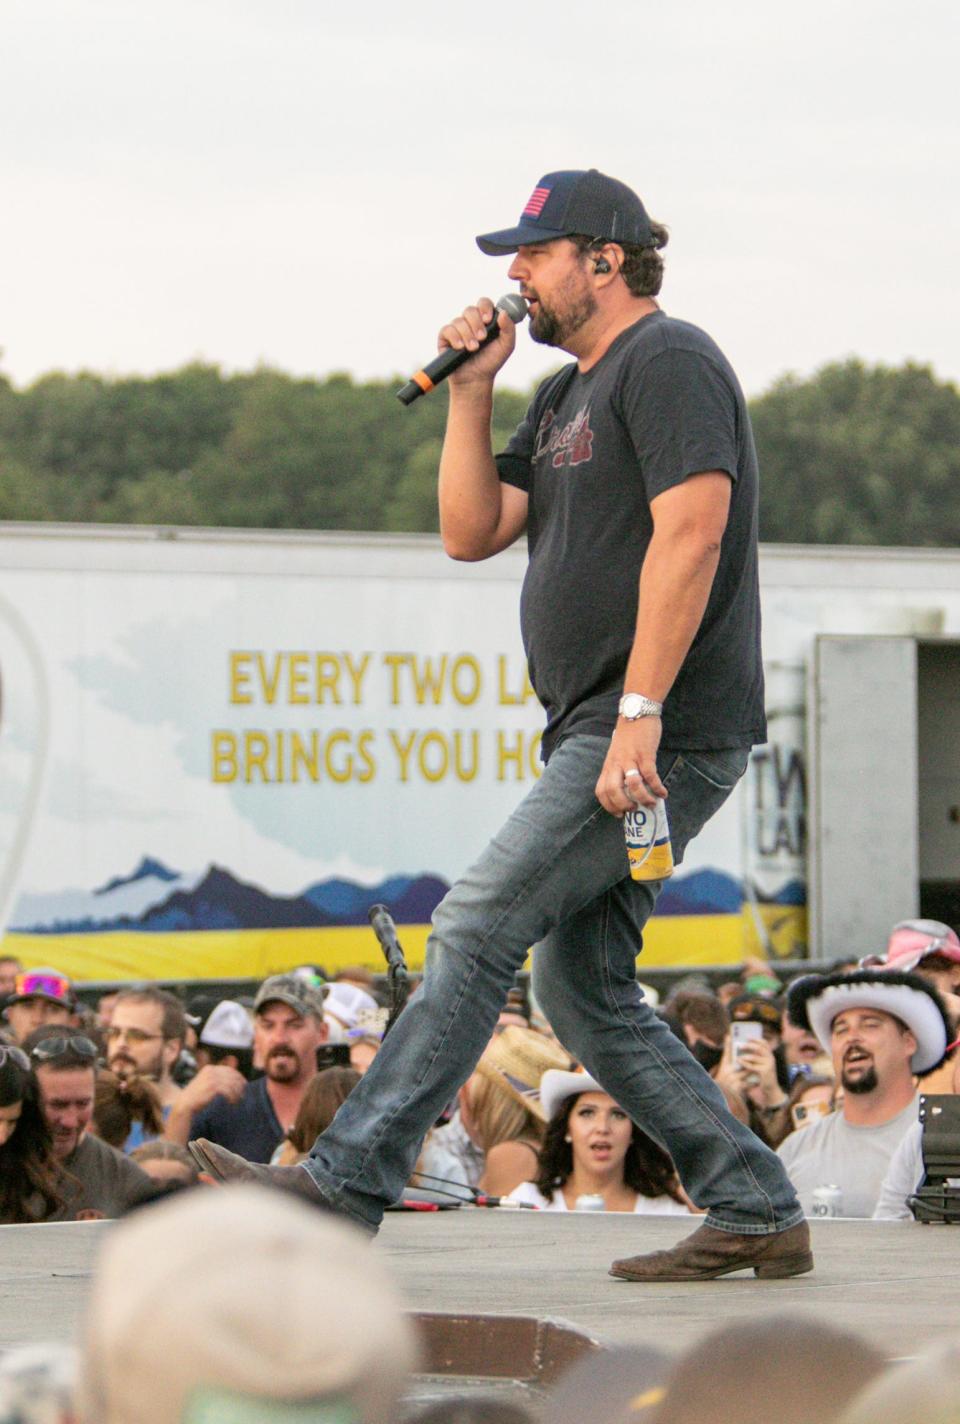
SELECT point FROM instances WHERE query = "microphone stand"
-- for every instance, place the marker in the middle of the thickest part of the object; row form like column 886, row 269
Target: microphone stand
column 397, row 976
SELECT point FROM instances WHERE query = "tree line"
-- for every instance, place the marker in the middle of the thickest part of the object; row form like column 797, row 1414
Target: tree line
column 851, row 455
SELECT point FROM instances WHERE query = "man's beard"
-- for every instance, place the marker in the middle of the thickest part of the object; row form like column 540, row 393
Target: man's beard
column 865, row 1083
column 125, row 1067
column 282, row 1067
column 549, row 328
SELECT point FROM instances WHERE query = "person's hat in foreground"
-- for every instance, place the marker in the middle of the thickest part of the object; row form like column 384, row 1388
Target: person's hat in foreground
column 791, row 1369
column 925, row 1390
column 613, row 1385
column 37, row 1384
column 814, row 1001
column 574, row 201
column 245, row 1305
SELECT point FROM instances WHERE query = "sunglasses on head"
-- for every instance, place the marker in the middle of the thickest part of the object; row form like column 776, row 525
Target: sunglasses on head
column 15, row 1055
column 757, row 1013
column 54, row 1047
column 52, row 986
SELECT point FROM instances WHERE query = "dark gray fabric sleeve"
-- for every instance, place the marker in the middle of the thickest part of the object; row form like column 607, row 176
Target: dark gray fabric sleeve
column 681, row 413
column 513, row 464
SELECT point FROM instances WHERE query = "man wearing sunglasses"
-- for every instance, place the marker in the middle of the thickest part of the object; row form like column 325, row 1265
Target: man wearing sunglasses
column 97, row 1180
column 40, row 996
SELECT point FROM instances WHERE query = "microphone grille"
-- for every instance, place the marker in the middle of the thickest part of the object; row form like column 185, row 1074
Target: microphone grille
column 514, row 305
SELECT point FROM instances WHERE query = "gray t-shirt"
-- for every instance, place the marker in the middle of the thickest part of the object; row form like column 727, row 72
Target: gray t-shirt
column 101, row 1182
column 832, row 1152
column 904, row 1177
column 592, row 452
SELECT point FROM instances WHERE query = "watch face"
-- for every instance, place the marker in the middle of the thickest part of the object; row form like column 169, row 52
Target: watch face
column 634, row 705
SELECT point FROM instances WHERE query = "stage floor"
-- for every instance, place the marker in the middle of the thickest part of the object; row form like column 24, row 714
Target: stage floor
column 890, row 1282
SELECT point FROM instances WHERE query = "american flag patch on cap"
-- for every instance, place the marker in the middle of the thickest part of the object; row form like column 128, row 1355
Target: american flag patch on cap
column 535, row 203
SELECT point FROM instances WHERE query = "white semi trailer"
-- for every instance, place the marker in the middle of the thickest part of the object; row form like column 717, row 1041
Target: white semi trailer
column 218, row 748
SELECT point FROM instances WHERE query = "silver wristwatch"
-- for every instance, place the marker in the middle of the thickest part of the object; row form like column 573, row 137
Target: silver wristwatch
column 633, row 706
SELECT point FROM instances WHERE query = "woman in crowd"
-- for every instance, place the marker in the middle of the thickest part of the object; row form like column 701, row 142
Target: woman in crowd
column 318, row 1107
column 493, row 1140
column 28, row 1172
column 500, row 1106
column 592, row 1149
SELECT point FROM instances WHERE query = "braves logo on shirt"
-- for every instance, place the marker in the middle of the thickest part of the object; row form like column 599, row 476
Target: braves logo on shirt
column 570, row 444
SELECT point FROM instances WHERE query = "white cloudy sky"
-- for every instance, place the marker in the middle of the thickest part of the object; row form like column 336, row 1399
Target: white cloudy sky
column 298, row 182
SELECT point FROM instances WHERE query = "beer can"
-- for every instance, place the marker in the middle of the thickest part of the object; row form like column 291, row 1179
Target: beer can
column 827, row 1201
column 589, row 1202
column 647, row 833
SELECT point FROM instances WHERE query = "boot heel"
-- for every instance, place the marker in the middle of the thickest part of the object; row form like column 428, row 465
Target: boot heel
column 785, row 1266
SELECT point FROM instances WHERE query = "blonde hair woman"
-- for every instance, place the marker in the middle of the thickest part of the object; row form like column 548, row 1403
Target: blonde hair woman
column 494, row 1139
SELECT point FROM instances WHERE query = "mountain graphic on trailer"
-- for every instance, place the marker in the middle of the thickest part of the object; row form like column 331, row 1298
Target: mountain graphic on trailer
column 155, row 898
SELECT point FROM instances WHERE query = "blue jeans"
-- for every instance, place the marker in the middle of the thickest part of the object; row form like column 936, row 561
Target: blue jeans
column 556, row 876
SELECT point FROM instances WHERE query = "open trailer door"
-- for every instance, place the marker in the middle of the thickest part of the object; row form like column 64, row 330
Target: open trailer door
column 863, row 792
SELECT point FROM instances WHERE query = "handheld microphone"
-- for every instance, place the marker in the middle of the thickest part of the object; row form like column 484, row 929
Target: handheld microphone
column 441, row 366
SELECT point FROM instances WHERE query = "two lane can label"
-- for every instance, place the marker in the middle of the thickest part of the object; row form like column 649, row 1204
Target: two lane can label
column 647, row 834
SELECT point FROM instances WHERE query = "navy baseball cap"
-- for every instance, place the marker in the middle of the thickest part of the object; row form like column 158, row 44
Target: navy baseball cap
column 576, row 200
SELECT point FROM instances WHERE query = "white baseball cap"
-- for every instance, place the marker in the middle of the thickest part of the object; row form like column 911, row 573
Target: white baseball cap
column 228, row 1026
column 347, row 1003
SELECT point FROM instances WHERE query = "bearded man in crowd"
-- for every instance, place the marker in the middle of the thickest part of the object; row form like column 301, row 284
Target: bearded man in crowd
column 881, row 1028
column 252, row 1118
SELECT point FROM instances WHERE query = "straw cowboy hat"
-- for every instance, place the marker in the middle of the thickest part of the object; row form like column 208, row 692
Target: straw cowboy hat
column 516, row 1061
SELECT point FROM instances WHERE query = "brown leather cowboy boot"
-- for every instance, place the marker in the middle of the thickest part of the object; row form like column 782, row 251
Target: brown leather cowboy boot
column 709, row 1253
column 224, row 1166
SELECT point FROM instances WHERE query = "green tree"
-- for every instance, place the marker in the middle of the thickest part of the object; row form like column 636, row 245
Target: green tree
column 23, row 494
column 854, row 454
column 412, row 507
column 85, row 438
column 859, row 455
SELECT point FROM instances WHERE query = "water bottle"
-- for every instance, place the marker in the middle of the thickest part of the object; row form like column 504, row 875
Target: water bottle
column 647, row 833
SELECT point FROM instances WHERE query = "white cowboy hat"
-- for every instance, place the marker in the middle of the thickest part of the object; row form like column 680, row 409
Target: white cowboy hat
column 814, row 1001
column 556, row 1086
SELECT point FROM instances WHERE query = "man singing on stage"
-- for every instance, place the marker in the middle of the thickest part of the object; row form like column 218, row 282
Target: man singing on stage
column 634, row 477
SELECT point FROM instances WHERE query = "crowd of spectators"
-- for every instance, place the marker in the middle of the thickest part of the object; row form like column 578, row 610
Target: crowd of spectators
column 97, row 1109
column 827, row 1070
